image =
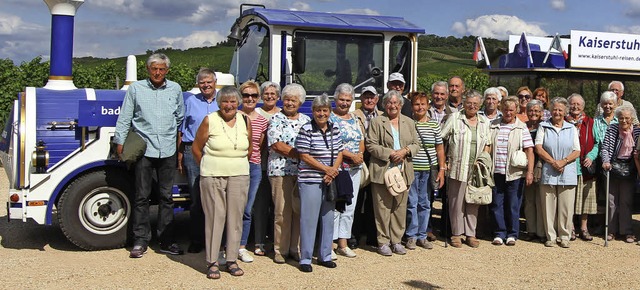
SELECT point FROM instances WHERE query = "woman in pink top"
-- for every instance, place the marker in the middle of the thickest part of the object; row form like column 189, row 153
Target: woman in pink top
column 250, row 92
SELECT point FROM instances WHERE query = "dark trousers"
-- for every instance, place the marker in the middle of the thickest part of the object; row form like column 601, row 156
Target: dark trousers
column 364, row 222
column 165, row 169
column 196, row 214
column 262, row 211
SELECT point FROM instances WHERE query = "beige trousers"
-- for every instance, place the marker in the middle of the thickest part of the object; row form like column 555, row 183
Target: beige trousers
column 223, row 202
column 558, row 204
column 463, row 216
column 390, row 213
column 286, row 221
column 533, row 210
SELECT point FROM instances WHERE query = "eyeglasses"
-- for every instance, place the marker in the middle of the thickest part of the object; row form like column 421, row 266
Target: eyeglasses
column 245, row 95
column 527, row 96
column 616, row 90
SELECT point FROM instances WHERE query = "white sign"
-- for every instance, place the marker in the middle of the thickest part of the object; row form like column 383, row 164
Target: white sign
column 604, row 50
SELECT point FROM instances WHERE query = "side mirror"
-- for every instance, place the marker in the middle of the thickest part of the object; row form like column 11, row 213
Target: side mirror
column 299, row 55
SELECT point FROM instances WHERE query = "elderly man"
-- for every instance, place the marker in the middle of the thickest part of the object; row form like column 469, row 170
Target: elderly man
column 364, row 222
column 439, row 96
column 456, row 89
column 196, row 108
column 154, row 109
column 396, row 82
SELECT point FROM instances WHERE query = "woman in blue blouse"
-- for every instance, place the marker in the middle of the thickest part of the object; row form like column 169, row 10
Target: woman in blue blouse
column 353, row 141
column 319, row 146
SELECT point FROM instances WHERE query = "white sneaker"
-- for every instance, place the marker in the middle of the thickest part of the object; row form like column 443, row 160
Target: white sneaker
column 222, row 258
column 245, row 256
column 333, row 255
column 511, row 241
column 497, row 241
column 346, row 251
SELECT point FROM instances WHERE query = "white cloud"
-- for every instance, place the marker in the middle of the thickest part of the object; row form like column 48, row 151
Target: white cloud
column 21, row 40
column 364, row 11
column 300, row 6
column 623, row 29
column 558, row 4
column 497, row 26
column 14, row 25
column 195, row 39
column 634, row 8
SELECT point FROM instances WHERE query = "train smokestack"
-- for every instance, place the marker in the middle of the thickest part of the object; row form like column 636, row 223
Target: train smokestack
column 62, row 17
column 132, row 72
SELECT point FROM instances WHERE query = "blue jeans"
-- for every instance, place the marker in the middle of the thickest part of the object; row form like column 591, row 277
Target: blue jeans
column 255, row 176
column 343, row 221
column 418, row 206
column 314, row 208
column 507, row 198
column 196, row 214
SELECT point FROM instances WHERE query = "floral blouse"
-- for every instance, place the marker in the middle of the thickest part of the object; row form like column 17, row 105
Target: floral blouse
column 350, row 133
column 283, row 129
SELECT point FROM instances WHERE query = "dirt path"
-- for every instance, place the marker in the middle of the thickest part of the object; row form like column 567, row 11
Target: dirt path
column 40, row 257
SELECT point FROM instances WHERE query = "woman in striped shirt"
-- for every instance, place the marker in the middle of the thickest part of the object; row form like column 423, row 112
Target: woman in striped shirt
column 319, row 146
column 250, row 92
column 509, row 135
column 430, row 155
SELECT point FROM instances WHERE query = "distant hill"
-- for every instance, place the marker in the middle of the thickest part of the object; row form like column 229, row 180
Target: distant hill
column 437, row 55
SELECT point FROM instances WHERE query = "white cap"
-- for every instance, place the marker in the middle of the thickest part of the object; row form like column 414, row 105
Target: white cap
column 370, row 89
column 396, row 76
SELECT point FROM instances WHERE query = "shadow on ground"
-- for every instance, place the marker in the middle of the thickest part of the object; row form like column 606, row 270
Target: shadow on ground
column 421, row 284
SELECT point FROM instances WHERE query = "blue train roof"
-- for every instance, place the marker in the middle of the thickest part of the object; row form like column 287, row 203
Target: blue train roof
column 305, row 19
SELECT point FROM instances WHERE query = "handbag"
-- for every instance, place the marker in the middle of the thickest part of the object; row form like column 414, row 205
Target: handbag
column 133, row 148
column 341, row 187
column 394, row 181
column 519, row 158
column 623, row 168
column 478, row 191
column 365, row 179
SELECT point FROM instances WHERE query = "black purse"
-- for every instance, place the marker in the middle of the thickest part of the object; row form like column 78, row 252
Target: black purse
column 342, row 185
column 623, row 168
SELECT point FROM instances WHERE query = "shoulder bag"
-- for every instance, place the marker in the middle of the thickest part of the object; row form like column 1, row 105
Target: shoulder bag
column 342, row 185
column 518, row 159
column 394, row 181
column 478, row 191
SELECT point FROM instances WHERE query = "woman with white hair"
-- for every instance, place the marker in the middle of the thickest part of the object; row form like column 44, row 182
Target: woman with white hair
column 283, row 130
column 492, row 99
column 558, row 147
column 619, row 159
column 586, row 190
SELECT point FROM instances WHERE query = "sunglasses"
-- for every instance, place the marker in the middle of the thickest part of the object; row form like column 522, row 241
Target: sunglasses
column 524, row 96
column 245, row 95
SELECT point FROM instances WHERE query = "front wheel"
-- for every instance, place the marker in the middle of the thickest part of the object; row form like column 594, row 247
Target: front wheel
column 94, row 210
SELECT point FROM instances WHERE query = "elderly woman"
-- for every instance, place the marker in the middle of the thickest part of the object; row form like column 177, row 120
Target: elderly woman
column 586, row 190
column 532, row 197
column 524, row 95
column 430, row 155
column 558, row 146
column 392, row 140
column 508, row 136
column 492, row 98
column 221, row 148
column 250, row 92
column 353, row 156
column 262, row 205
column 319, row 145
column 467, row 134
column 618, row 153
column 542, row 94
column 284, row 127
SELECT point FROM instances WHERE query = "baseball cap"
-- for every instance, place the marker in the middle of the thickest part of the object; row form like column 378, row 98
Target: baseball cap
column 370, row 89
column 396, row 76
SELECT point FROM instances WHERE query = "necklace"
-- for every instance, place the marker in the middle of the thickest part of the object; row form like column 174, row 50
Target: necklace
column 235, row 143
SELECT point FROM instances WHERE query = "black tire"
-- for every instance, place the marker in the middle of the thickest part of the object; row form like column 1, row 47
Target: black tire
column 94, row 210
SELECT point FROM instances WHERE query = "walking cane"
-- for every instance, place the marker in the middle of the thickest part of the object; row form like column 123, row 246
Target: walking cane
column 606, row 212
column 445, row 218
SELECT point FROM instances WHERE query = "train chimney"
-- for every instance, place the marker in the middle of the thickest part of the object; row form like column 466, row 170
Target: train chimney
column 132, row 72
column 62, row 16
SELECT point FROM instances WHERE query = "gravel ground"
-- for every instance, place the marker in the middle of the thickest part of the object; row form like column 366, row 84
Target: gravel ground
column 39, row 257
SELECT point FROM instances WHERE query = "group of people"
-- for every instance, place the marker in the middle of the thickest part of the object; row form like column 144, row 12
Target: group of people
column 316, row 174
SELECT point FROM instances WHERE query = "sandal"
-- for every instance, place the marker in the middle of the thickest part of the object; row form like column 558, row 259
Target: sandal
column 213, row 274
column 611, row 237
column 585, row 236
column 234, row 269
column 573, row 235
column 259, row 251
column 630, row 239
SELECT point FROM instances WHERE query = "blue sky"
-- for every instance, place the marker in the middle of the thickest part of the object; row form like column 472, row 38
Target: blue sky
column 114, row 28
